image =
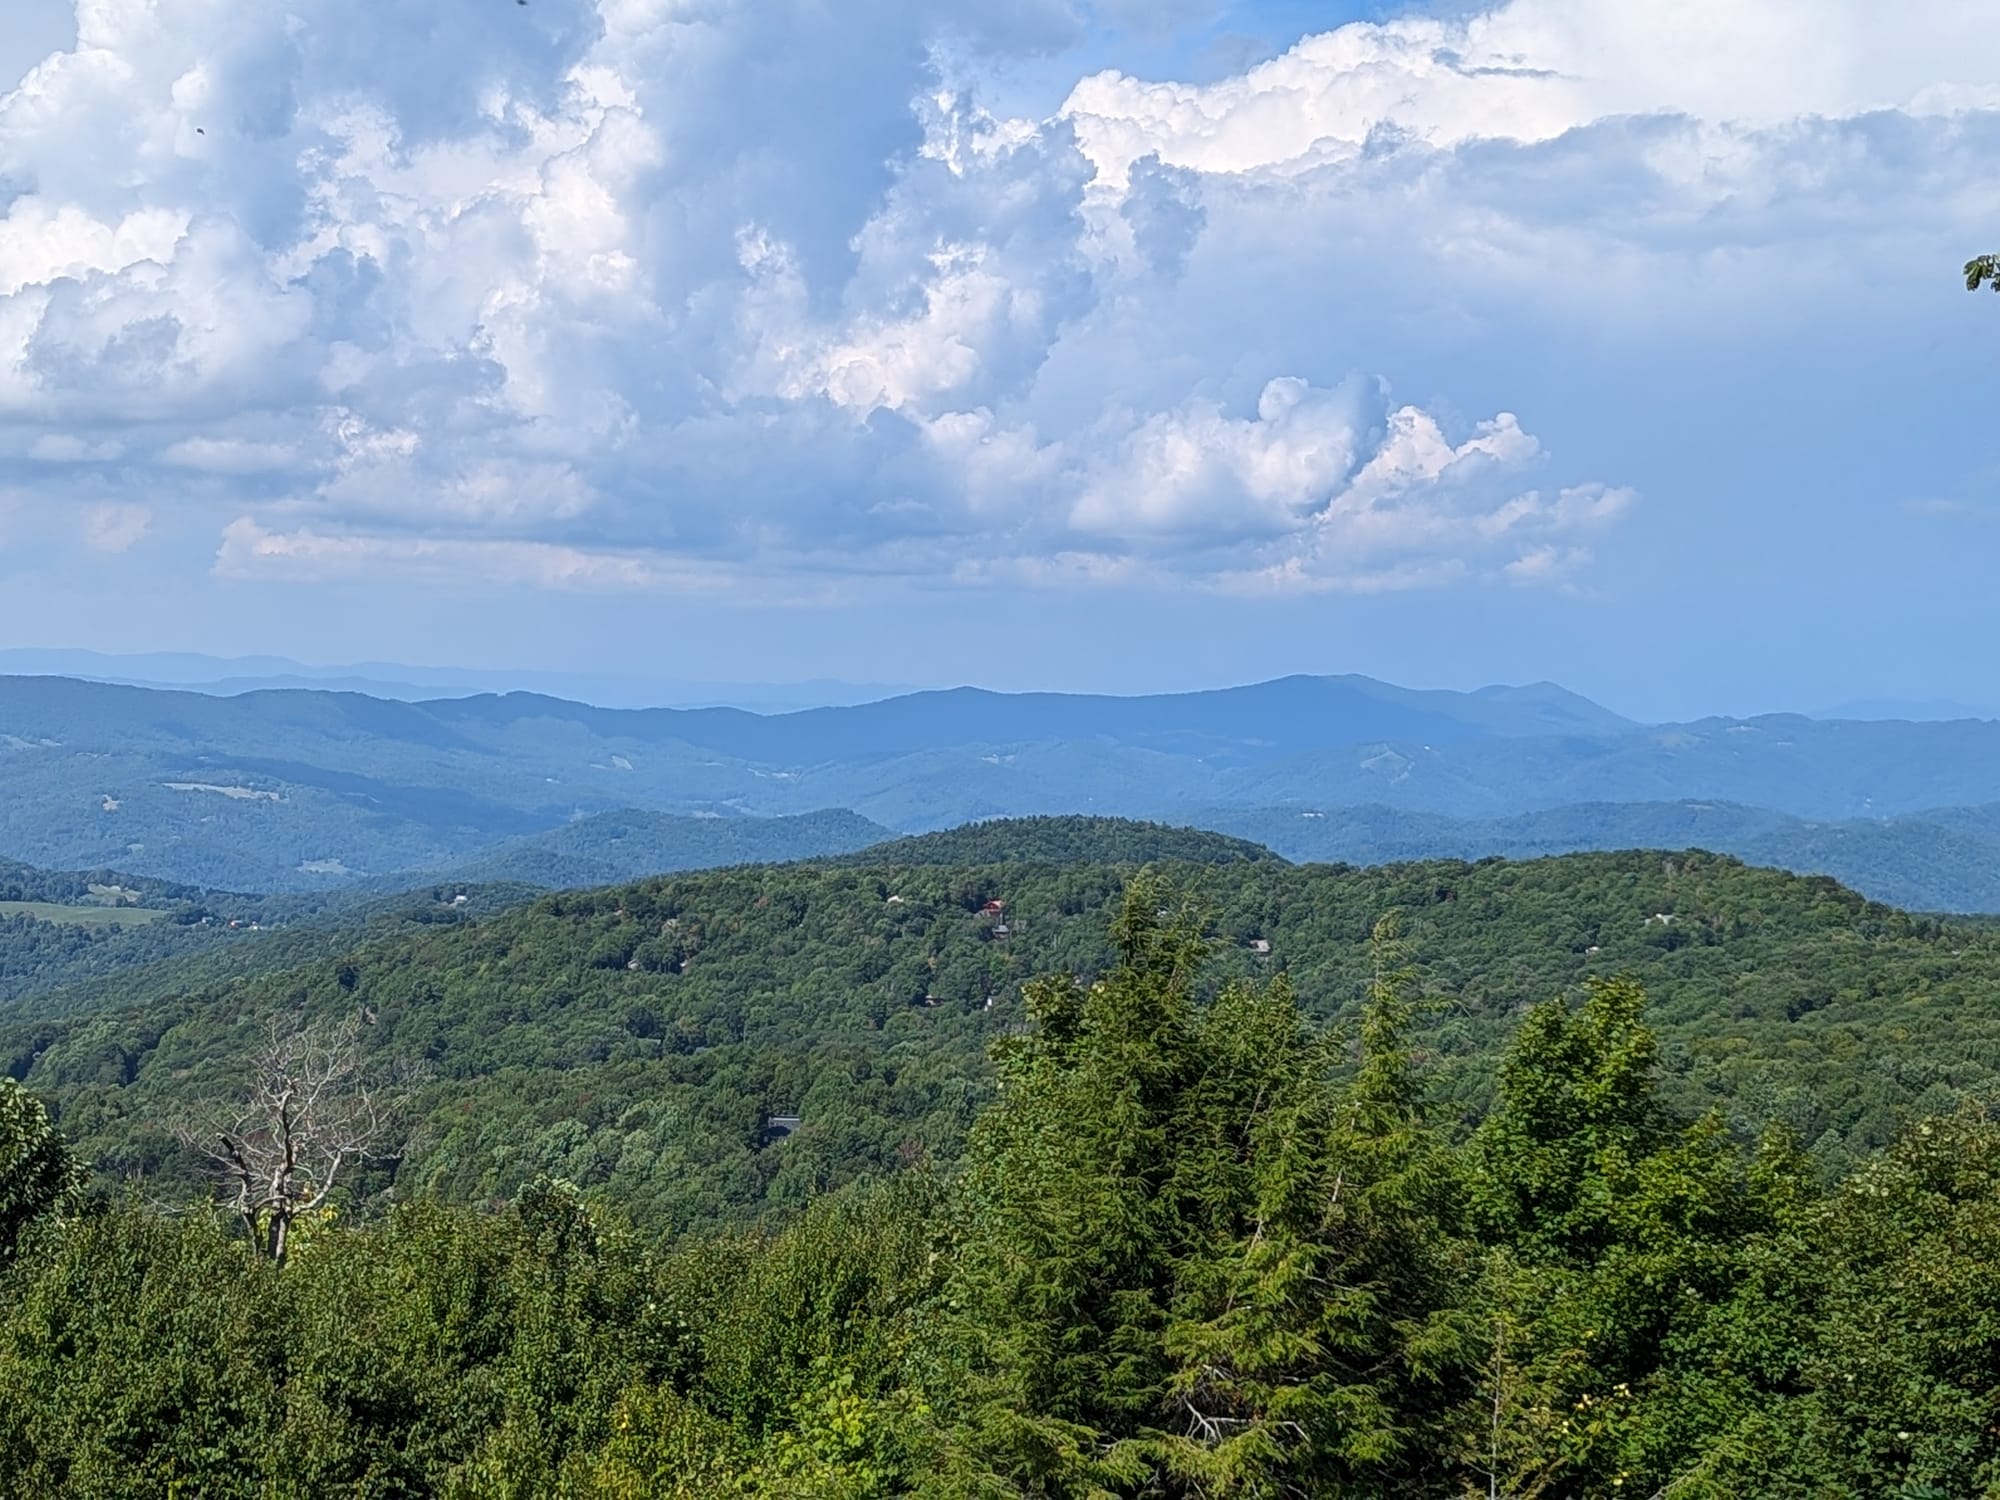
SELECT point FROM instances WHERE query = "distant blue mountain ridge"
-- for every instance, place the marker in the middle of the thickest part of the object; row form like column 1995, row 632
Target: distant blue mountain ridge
column 226, row 676
column 306, row 789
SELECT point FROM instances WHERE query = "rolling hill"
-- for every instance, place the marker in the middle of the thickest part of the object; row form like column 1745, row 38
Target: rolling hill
column 637, row 1039
column 609, row 848
column 1946, row 859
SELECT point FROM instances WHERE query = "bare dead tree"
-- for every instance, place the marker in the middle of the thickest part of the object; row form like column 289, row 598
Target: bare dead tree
column 311, row 1113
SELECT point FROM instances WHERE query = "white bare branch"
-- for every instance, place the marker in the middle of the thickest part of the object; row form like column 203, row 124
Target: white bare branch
column 311, row 1112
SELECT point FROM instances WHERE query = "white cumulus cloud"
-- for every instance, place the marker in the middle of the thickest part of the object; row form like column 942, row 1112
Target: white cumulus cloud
column 642, row 294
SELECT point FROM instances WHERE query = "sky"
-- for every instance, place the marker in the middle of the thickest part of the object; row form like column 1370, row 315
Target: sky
column 1113, row 345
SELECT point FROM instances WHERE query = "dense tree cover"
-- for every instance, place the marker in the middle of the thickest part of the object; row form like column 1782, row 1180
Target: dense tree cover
column 38, row 1172
column 1200, row 1246
column 202, row 934
column 19, row 882
column 40, row 955
column 1064, row 840
column 1943, row 859
column 639, row 1041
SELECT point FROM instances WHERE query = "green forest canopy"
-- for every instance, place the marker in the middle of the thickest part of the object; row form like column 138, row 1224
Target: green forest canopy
column 637, row 1041
column 1200, row 1245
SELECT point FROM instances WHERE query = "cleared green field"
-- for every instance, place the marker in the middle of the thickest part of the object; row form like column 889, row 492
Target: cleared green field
column 82, row 916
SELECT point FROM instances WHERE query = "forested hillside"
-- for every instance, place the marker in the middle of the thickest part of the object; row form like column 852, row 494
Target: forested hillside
column 637, row 1040
column 86, row 936
column 619, row 846
column 1073, row 840
column 1197, row 1245
column 1941, row 859
column 71, row 941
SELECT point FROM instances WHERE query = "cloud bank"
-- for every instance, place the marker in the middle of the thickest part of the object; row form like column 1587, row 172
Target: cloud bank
column 762, row 298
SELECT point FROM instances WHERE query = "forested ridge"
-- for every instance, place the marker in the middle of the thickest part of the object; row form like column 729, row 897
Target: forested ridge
column 636, row 1040
column 1196, row 1241
column 53, row 956
column 52, row 962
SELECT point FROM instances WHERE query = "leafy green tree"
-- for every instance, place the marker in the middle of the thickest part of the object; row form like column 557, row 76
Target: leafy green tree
column 1577, row 1110
column 1982, row 270
column 1623, row 1239
column 1902, row 1382
column 39, row 1175
column 140, row 1355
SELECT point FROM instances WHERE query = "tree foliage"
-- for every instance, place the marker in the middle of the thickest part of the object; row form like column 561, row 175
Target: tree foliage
column 39, row 1174
column 1201, row 1244
column 638, row 1040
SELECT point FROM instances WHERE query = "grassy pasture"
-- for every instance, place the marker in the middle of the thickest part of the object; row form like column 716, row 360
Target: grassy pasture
column 82, row 916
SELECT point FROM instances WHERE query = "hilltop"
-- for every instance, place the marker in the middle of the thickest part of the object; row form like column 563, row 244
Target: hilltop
column 636, row 1039
column 608, row 848
column 1942, row 859
column 1064, row 840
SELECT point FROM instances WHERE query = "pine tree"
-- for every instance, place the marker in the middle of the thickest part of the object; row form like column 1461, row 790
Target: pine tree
column 1198, row 1263
column 1320, row 1338
column 1620, row 1242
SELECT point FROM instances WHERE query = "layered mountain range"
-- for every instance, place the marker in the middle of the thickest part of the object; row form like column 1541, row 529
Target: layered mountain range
column 311, row 790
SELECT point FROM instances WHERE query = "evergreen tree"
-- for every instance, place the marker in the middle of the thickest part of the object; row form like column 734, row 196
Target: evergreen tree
column 1627, row 1330
column 1319, row 1334
column 1196, row 1262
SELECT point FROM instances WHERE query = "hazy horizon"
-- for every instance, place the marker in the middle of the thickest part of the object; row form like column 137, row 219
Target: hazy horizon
column 1076, row 346
column 411, row 680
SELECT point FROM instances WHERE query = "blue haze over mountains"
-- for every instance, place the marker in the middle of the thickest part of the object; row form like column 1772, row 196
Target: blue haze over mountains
column 312, row 789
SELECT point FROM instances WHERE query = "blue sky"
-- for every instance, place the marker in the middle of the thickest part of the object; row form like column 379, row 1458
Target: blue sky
column 1108, row 346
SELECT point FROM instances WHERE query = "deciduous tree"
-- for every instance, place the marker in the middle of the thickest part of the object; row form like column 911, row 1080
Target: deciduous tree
column 39, row 1174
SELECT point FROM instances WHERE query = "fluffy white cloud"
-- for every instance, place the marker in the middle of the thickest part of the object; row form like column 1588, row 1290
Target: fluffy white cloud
column 644, row 294
column 1529, row 70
